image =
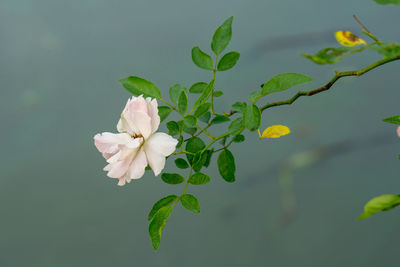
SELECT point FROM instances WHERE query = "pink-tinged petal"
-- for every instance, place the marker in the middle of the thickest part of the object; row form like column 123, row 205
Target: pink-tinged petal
column 107, row 168
column 139, row 117
column 152, row 106
column 107, row 155
column 134, row 143
column 138, row 165
column 133, row 104
column 157, row 148
column 114, row 158
column 156, row 160
column 120, row 163
column 137, row 104
column 139, row 122
column 125, row 126
column 118, row 169
column 109, row 142
column 120, row 127
column 163, row 143
column 398, row 131
column 123, row 181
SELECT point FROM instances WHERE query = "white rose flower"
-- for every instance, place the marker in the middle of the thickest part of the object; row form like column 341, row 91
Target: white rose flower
column 137, row 144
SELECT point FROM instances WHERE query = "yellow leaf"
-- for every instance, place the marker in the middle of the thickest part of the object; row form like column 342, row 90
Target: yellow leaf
column 347, row 38
column 275, row 131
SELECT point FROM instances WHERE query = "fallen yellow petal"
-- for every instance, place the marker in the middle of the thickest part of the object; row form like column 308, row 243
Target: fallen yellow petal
column 275, row 131
column 347, row 38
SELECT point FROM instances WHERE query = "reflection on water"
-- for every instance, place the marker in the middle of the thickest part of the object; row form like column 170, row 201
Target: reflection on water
column 60, row 66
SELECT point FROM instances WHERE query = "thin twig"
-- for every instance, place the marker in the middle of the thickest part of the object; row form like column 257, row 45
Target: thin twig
column 361, row 24
column 203, row 130
column 330, row 83
column 366, row 31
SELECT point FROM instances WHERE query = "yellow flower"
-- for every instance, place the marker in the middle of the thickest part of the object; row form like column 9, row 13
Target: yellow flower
column 274, row 131
column 347, row 38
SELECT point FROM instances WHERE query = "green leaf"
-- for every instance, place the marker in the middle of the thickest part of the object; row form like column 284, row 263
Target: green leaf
column 189, row 130
column 278, row 83
column 332, row 55
column 190, row 202
column 388, row 2
column 181, row 125
column 393, row 119
column 199, row 179
column 182, row 103
column 219, row 119
column 239, row 107
column 163, row 112
column 180, row 142
column 222, row 36
column 206, row 117
column 181, row 163
column 204, row 95
column 228, row 61
column 223, row 141
column 166, row 201
column 139, row 86
column 238, row 138
column 236, row 126
column 172, row 178
column 173, row 128
column 380, row 203
column 202, row 109
column 218, row 93
column 226, row 165
column 255, row 96
column 198, row 87
column 202, row 59
column 190, row 121
column 174, row 93
column 193, row 145
column 388, row 50
column 199, row 160
column 208, row 154
column 284, row 81
column 197, row 164
column 157, row 225
column 252, row 118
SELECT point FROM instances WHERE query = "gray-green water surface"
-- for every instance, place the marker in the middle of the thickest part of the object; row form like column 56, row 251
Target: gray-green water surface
column 60, row 63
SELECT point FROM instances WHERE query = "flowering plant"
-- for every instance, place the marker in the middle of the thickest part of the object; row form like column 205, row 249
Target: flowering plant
column 138, row 146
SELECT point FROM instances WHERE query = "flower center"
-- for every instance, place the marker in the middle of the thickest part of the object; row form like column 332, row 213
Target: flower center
column 136, row 136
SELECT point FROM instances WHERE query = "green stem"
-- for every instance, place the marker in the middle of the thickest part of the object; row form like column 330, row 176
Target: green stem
column 182, row 152
column 230, row 143
column 366, row 31
column 187, row 183
column 215, row 140
column 373, row 37
column 212, row 93
column 169, row 104
column 207, row 133
column 184, row 190
column 202, row 130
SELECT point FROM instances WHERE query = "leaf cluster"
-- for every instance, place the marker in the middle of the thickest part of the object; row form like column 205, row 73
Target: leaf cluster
column 195, row 108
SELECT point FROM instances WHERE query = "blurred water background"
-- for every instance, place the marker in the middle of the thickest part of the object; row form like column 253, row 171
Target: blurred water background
column 59, row 71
